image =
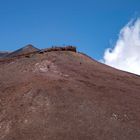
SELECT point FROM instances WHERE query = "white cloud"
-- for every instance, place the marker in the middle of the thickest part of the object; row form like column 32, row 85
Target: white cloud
column 126, row 53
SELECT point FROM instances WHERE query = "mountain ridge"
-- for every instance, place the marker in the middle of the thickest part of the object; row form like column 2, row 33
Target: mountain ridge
column 24, row 50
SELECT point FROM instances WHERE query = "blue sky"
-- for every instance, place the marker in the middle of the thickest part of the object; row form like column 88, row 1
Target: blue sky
column 91, row 25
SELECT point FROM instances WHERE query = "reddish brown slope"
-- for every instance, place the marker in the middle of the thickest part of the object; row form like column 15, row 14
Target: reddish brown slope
column 65, row 95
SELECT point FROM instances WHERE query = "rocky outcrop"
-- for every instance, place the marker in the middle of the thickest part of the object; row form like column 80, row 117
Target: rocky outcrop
column 56, row 48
